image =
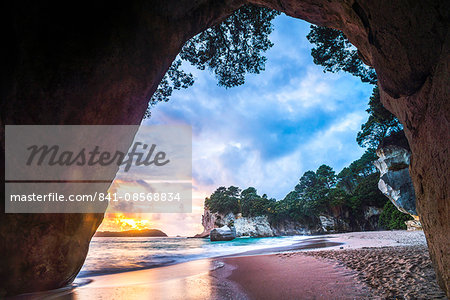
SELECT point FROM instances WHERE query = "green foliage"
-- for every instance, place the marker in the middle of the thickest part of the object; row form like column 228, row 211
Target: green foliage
column 314, row 194
column 280, row 210
column 230, row 50
column 252, row 204
column 346, row 180
column 312, row 191
column 392, row 218
column 360, row 182
column 334, row 52
column 338, row 198
column 350, row 176
column 231, row 199
column 308, row 180
column 224, row 200
column 380, row 123
column 319, row 192
column 367, row 192
column 326, row 177
column 234, row 47
column 322, row 191
column 174, row 79
column 364, row 166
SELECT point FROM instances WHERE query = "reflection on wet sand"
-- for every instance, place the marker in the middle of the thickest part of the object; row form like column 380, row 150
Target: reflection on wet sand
column 191, row 280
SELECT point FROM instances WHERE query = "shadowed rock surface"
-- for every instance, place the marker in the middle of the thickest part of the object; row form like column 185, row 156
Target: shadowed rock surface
column 395, row 181
column 258, row 226
column 261, row 226
column 99, row 63
column 223, row 233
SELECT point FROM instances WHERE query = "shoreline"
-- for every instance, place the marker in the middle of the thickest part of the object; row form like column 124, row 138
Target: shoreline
column 275, row 276
column 309, row 242
column 289, row 272
column 370, row 265
column 389, row 272
column 295, row 243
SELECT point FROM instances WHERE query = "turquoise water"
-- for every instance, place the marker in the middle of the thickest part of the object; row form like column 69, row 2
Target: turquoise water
column 118, row 254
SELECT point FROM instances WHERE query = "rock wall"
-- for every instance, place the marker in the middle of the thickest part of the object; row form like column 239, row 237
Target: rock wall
column 95, row 64
column 223, row 233
column 260, row 226
column 408, row 44
column 395, row 181
column 99, row 63
column 288, row 227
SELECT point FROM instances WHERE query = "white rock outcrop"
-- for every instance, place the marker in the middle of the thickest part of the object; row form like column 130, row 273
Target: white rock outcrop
column 258, row 226
column 223, row 233
column 395, row 180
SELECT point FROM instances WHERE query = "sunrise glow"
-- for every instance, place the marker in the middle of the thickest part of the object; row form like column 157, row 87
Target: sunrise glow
column 121, row 222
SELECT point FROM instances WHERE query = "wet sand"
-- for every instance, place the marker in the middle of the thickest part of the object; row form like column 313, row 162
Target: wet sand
column 307, row 244
column 299, row 277
column 191, row 280
column 369, row 265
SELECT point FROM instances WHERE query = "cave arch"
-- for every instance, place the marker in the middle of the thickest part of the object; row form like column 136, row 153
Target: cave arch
column 99, row 63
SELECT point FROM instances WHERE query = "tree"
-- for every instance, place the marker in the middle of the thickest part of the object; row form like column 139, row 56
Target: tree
column 364, row 166
column 174, row 79
column 360, row 180
column 230, row 50
column 349, row 178
column 392, row 218
column 334, row 52
column 338, row 197
column 367, row 192
column 313, row 190
column 380, row 123
column 224, row 200
column 326, row 176
column 346, row 180
column 253, row 205
column 308, row 180
column 248, row 196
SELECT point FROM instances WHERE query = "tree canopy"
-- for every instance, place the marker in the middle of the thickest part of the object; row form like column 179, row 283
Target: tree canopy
column 380, row 124
column 224, row 200
column 392, row 218
column 334, row 52
column 230, row 50
column 319, row 192
column 234, row 48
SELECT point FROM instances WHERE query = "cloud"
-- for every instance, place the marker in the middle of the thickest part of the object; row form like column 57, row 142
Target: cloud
column 289, row 119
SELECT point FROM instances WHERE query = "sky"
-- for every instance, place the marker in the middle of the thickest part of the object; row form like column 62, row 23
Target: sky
column 287, row 120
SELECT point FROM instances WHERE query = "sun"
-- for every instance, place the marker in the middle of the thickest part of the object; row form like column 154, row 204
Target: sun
column 121, row 222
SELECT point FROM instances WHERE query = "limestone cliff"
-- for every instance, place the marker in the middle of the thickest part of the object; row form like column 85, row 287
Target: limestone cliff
column 395, row 182
column 260, row 226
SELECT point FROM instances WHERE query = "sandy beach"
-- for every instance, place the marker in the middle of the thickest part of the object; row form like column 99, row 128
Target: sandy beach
column 368, row 265
column 361, row 265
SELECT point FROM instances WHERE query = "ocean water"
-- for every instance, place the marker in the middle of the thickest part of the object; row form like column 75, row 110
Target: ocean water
column 109, row 255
